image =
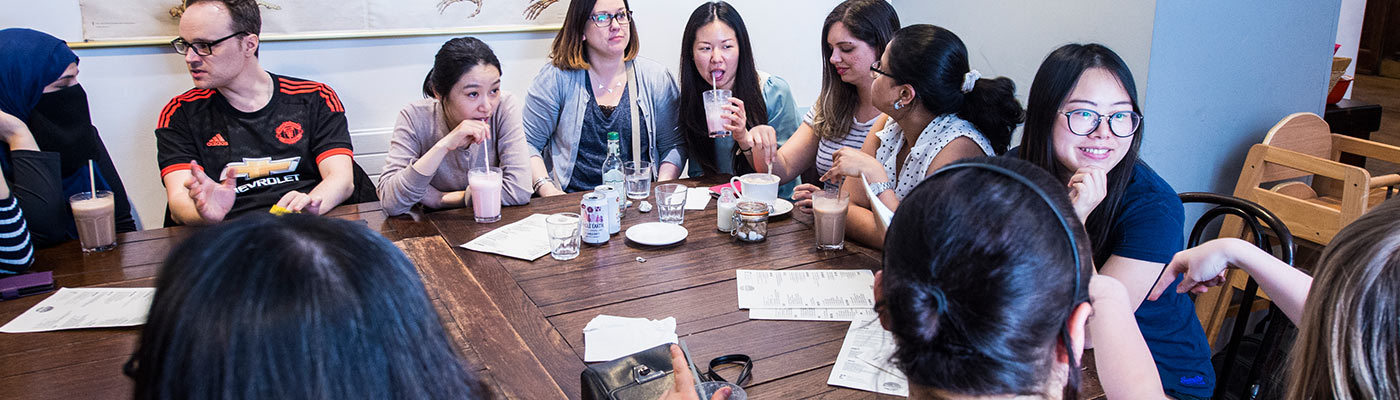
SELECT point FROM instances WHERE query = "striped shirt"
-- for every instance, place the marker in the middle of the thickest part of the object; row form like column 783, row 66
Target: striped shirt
column 16, row 253
column 826, row 148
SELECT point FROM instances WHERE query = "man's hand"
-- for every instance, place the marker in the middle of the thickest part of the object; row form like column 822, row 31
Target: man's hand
column 299, row 202
column 212, row 200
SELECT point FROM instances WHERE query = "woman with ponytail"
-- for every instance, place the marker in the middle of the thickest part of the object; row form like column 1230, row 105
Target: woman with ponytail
column 1003, row 310
column 439, row 138
column 941, row 111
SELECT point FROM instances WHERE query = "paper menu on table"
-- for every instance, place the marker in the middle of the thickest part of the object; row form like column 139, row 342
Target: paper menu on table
column 883, row 214
column 525, row 239
column 815, row 288
column 806, row 314
column 864, row 359
column 75, row 308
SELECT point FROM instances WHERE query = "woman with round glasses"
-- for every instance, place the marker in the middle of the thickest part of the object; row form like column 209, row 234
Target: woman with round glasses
column 940, row 110
column 593, row 85
column 1084, row 125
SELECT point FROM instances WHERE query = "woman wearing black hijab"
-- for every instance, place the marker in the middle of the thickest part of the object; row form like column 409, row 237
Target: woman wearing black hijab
column 49, row 137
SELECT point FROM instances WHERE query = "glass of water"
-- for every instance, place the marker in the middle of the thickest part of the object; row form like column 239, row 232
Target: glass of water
column 670, row 203
column 563, row 231
column 638, row 179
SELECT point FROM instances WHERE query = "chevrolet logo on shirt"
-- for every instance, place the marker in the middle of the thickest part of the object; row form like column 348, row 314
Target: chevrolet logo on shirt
column 254, row 168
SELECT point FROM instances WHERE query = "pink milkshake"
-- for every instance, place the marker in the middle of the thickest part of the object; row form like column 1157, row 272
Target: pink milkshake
column 485, row 185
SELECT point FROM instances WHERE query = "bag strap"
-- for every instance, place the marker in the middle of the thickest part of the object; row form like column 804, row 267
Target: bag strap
column 744, row 362
column 636, row 133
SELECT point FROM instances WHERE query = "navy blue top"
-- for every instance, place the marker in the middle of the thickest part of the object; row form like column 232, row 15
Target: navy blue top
column 1150, row 228
column 593, row 142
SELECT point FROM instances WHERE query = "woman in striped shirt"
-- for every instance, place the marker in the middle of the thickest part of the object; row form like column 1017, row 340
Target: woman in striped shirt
column 16, row 252
column 853, row 37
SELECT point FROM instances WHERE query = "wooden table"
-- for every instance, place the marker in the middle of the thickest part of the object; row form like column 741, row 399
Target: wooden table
column 519, row 323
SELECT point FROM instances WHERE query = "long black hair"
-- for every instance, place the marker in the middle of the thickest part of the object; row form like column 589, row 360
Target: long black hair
column 296, row 306
column 934, row 61
column 454, row 59
column 746, row 85
column 1053, row 82
column 982, row 311
column 870, row 21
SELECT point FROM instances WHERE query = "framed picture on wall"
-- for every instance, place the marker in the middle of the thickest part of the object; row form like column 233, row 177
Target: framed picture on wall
column 154, row 22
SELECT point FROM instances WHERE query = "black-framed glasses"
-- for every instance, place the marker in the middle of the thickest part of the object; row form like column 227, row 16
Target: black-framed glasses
column 200, row 48
column 602, row 20
column 875, row 69
column 1084, row 121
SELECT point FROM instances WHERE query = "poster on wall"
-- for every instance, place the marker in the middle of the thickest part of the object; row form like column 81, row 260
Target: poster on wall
column 113, row 20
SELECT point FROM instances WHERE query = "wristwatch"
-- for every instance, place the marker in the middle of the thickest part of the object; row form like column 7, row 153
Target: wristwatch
column 880, row 187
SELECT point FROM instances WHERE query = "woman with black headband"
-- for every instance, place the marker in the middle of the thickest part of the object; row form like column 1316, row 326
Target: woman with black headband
column 1005, row 309
column 49, row 137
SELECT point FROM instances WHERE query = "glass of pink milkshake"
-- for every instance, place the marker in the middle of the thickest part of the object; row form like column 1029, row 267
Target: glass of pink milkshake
column 485, row 185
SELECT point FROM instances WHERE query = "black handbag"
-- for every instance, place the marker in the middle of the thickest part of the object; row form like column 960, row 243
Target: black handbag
column 647, row 375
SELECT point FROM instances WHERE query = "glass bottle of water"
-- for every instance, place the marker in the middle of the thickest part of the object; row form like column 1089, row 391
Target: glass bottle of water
column 612, row 171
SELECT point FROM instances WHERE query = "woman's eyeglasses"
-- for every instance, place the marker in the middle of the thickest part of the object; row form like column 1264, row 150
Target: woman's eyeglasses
column 603, row 20
column 1084, row 121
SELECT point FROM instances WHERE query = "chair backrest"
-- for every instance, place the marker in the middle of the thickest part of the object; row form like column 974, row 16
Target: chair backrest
column 1256, row 219
column 1311, row 219
column 1302, row 132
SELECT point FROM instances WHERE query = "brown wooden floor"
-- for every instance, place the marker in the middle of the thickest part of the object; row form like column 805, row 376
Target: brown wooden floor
column 1386, row 92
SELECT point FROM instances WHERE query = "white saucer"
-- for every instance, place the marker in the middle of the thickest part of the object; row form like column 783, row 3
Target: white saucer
column 781, row 207
column 656, row 233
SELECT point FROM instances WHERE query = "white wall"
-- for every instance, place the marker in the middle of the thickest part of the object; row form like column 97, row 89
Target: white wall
column 127, row 87
column 1010, row 38
column 1349, row 32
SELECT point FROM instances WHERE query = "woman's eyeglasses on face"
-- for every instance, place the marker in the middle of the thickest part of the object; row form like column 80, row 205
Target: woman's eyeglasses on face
column 603, row 20
column 1084, row 121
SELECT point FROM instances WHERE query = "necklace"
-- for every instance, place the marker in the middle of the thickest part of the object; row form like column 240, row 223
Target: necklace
column 605, row 86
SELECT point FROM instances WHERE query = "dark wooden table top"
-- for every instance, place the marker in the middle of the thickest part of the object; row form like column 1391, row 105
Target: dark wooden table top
column 519, row 323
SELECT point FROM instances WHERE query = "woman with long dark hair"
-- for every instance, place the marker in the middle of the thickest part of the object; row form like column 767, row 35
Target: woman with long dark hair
column 941, row 111
column 1003, row 309
column 439, row 138
column 715, row 53
column 1084, row 125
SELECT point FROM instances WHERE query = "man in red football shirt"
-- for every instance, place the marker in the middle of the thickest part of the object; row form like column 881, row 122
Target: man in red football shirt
column 244, row 140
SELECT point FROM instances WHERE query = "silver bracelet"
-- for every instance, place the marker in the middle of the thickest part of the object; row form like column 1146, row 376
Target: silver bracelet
column 541, row 181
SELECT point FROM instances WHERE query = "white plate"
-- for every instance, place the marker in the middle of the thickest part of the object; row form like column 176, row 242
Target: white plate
column 656, row 233
column 781, row 207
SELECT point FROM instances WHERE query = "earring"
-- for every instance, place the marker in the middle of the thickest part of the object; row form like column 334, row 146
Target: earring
column 897, row 105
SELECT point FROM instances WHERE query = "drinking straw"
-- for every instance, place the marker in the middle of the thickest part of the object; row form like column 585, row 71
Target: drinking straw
column 92, row 178
column 693, row 371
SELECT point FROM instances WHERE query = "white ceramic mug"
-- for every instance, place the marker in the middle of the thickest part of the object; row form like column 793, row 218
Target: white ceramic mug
column 758, row 186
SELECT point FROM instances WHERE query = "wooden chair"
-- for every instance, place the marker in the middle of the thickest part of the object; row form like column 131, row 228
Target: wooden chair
column 1296, row 174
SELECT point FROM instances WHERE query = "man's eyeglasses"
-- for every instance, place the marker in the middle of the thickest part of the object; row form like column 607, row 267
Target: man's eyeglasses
column 602, row 20
column 1084, row 121
column 875, row 69
column 200, row 48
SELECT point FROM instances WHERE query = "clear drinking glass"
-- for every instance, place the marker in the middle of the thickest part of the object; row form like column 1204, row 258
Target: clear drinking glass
column 829, row 214
column 714, row 101
column 95, row 217
column 563, row 231
column 638, row 175
column 708, row 390
column 670, row 203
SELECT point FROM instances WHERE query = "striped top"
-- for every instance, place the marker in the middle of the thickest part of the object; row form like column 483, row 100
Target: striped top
column 16, row 253
column 826, row 148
